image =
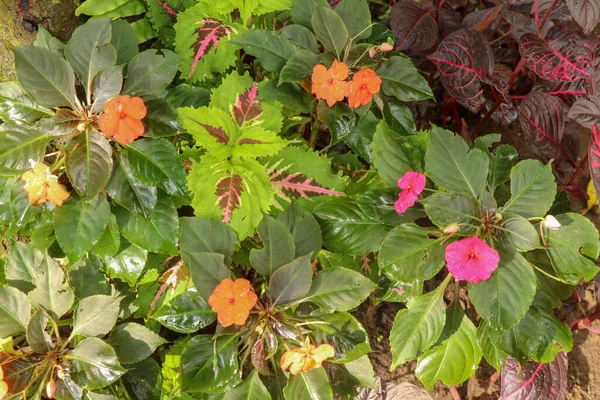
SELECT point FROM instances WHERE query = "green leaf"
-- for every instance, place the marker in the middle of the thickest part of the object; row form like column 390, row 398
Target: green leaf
column 188, row 96
column 143, row 380
column 493, row 355
column 207, row 270
column 106, row 85
column 360, row 138
column 127, row 264
column 302, row 10
column 161, row 119
column 251, row 389
column 37, row 337
column 124, row 41
column 133, row 342
column 193, row 235
column 156, row 233
column 444, row 209
column 312, row 385
column 94, row 364
column 417, row 327
column 87, row 280
column 300, row 66
column 505, row 298
column 348, row 228
column 52, row 292
column 456, row 358
column 330, row 30
column 278, row 247
column 95, row 315
column 15, row 312
column 22, row 266
column 304, row 228
column 20, row 148
column 45, row 40
column 185, row 313
column 269, row 47
column 345, row 334
column 149, row 73
column 212, row 128
column 453, row 166
column 408, row 254
column 79, row 225
column 291, row 281
column 98, row 7
column 519, row 233
column 357, row 18
column 394, row 155
column 208, row 367
column 110, row 241
column 340, row 119
column 89, row 163
column 89, row 51
column 301, row 35
column 402, row 80
column 156, row 162
column 532, row 189
column 339, row 289
column 573, row 248
column 45, row 76
column 15, row 104
column 128, row 192
column 399, row 118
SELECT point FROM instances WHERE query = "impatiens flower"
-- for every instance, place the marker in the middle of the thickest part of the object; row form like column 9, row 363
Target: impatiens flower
column 232, row 301
column 471, row 259
column 330, row 84
column 42, row 186
column 412, row 184
column 305, row 358
column 122, row 118
column 364, row 85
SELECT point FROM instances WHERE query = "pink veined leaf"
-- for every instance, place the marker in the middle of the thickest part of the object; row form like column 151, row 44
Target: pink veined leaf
column 296, row 184
column 216, row 132
column 229, row 190
column 543, row 122
column 170, row 12
column 464, row 60
column 561, row 60
column 586, row 111
column 208, row 37
column 586, row 13
column 483, row 19
column 414, row 26
column 247, row 106
column 594, row 159
column 535, row 381
column 559, row 12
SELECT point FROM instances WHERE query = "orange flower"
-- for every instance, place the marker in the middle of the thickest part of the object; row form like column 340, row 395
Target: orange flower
column 42, row 186
column 305, row 358
column 232, row 301
column 122, row 118
column 330, row 84
column 364, row 85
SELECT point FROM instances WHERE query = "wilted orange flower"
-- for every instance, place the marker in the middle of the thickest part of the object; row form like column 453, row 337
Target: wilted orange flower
column 305, row 358
column 42, row 186
column 232, row 301
column 4, row 387
column 364, row 85
column 330, row 84
column 122, row 118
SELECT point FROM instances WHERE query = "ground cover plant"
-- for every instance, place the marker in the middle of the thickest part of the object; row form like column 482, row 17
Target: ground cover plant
column 197, row 197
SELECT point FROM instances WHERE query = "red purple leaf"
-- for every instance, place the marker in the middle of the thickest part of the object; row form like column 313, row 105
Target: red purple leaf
column 247, row 106
column 414, row 26
column 252, row 141
column 216, row 132
column 464, row 60
column 535, row 381
column 483, row 19
column 561, row 60
column 586, row 111
column 449, row 20
column 208, row 36
column 594, row 157
column 543, row 122
column 586, row 13
column 229, row 190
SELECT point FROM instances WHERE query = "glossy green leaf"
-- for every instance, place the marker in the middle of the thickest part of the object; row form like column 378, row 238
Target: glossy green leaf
column 278, row 247
column 456, row 358
column 505, row 298
column 128, row 192
column 345, row 334
column 207, row 235
column 89, row 163
column 453, row 166
column 399, row 117
column 21, row 147
column 94, row 364
column 52, row 292
column 98, row 7
column 251, row 389
column 185, row 313
column 127, row 264
column 95, row 316
column 161, row 119
column 87, row 280
column 532, row 189
column 312, row 385
column 339, row 289
column 110, row 241
column 15, row 312
column 291, row 281
column 149, row 73
column 402, row 80
column 16, row 105
column 519, row 233
column 207, row 270
column 79, row 225
column 417, row 327
column 300, row 66
column 269, row 47
column 340, row 119
column 144, row 380
column 37, row 337
column 22, row 266
column 493, row 355
column 330, row 30
column 133, row 342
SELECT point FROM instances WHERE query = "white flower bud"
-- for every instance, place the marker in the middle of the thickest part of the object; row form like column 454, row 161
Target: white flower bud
column 551, row 223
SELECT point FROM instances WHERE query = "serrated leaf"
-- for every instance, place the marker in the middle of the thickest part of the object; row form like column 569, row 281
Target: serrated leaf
column 291, row 281
column 532, row 189
column 94, row 364
column 212, row 129
column 402, row 80
column 89, row 163
column 15, row 312
column 95, row 315
column 339, row 289
column 269, row 47
column 133, row 342
column 278, row 247
column 52, row 292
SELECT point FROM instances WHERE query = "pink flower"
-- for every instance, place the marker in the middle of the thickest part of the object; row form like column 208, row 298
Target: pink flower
column 471, row 259
column 413, row 184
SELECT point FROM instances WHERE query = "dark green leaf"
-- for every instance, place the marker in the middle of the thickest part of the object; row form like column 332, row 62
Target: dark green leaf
column 519, row 233
column 357, row 18
column 207, row 270
column 345, row 334
column 124, row 41
column 128, row 192
column 301, row 36
column 15, row 104
column 149, row 73
column 300, row 66
column 144, row 380
column 94, row 364
column 399, row 118
column 269, row 47
column 339, row 289
column 302, row 10
column 133, row 342
column 106, row 85
column 89, row 163
column 128, row 264
column 493, row 355
column 278, row 247
column 186, row 313
column 110, row 241
column 95, row 316
column 37, row 337
column 444, row 209
column 251, row 389
column 330, row 30
column 15, row 312
column 188, row 96
column 340, row 119
column 401, row 79
column 291, row 281
column 304, row 229
column 359, row 140
column 207, row 235
column 161, row 119
column 87, row 280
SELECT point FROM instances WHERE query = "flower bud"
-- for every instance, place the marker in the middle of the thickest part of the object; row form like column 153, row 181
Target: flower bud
column 82, row 127
column 551, row 223
column 372, row 52
column 452, row 228
column 384, row 47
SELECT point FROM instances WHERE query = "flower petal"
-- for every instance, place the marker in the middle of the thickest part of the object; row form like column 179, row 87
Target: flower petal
column 471, row 259
column 135, row 108
column 322, row 352
column 406, row 199
column 338, row 70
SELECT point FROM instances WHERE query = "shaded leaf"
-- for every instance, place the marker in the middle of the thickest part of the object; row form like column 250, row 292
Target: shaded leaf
column 278, row 247
column 291, row 281
column 586, row 111
column 312, row 385
column 330, row 30
column 52, row 292
column 414, row 26
column 15, row 312
column 269, row 47
column 207, row 270
column 150, row 73
column 22, row 266
column 128, row 192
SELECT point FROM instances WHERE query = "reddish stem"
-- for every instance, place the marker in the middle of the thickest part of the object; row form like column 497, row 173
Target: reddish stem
column 578, row 170
column 454, row 393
